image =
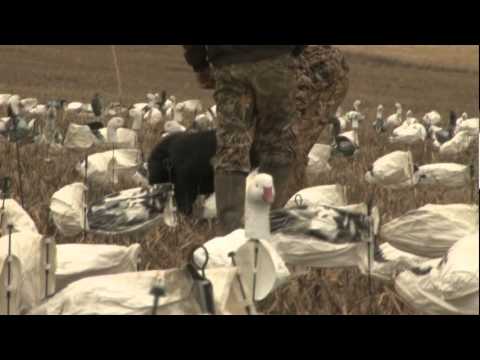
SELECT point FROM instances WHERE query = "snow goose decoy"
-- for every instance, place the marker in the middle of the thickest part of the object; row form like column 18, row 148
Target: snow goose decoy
column 462, row 119
column 410, row 119
column 432, row 229
column 395, row 120
column 37, row 257
column 131, row 294
column 409, row 134
column 355, row 114
column 471, row 126
column 447, row 286
column 79, row 261
column 318, row 236
column 433, row 118
column 393, row 170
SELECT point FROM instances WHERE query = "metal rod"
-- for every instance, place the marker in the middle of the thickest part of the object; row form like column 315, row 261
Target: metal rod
column 240, row 283
column 85, row 200
column 255, row 268
column 19, row 167
column 9, row 268
column 47, row 267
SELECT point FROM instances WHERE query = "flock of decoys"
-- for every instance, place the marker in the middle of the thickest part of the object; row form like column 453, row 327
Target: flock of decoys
column 427, row 253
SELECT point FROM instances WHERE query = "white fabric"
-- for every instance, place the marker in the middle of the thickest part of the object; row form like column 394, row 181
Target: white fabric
column 67, row 209
column 446, row 175
column 103, row 166
column 31, row 251
column 15, row 284
column 458, row 145
column 129, row 294
column 451, row 288
column 79, row 137
column 431, row 230
column 79, row 261
column 15, row 215
column 394, row 168
column 328, row 195
column 470, row 126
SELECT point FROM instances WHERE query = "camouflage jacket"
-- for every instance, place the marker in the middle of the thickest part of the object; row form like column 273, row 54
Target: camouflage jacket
column 201, row 56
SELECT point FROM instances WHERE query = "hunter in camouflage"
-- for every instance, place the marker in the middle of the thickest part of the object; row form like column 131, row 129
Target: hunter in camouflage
column 322, row 86
column 255, row 88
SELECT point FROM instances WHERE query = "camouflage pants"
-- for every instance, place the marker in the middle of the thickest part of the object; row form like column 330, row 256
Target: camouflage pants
column 322, row 78
column 256, row 112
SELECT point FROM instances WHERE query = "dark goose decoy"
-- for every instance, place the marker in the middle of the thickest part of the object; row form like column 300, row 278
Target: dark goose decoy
column 130, row 211
column 342, row 145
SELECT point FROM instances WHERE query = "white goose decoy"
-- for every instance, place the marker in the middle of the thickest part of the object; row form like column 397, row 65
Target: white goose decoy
column 39, row 110
column 74, row 107
column 395, row 120
column 312, row 236
column 433, row 118
column 409, row 134
column 379, row 123
column 447, row 286
column 79, row 261
column 115, row 133
column 355, row 114
column 187, row 111
column 410, row 119
column 459, row 144
column 391, row 170
column 36, row 254
column 29, row 103
column 445, row 175
column 432, row 229
column 471, row 126
column 109, row 166
column 131, row 294
column 4, row 99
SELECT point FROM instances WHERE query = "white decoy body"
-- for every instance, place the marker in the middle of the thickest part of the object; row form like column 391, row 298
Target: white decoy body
column 409, row 134
column 446, row 286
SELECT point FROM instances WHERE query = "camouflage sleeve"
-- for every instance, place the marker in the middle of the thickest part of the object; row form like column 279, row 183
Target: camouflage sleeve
column 196, row 57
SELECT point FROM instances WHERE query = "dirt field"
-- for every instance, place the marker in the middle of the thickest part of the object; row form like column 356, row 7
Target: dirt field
column 443, row 78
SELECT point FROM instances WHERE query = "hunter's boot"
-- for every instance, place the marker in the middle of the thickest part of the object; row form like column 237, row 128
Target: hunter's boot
column 281, row 177
column 230, row 194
